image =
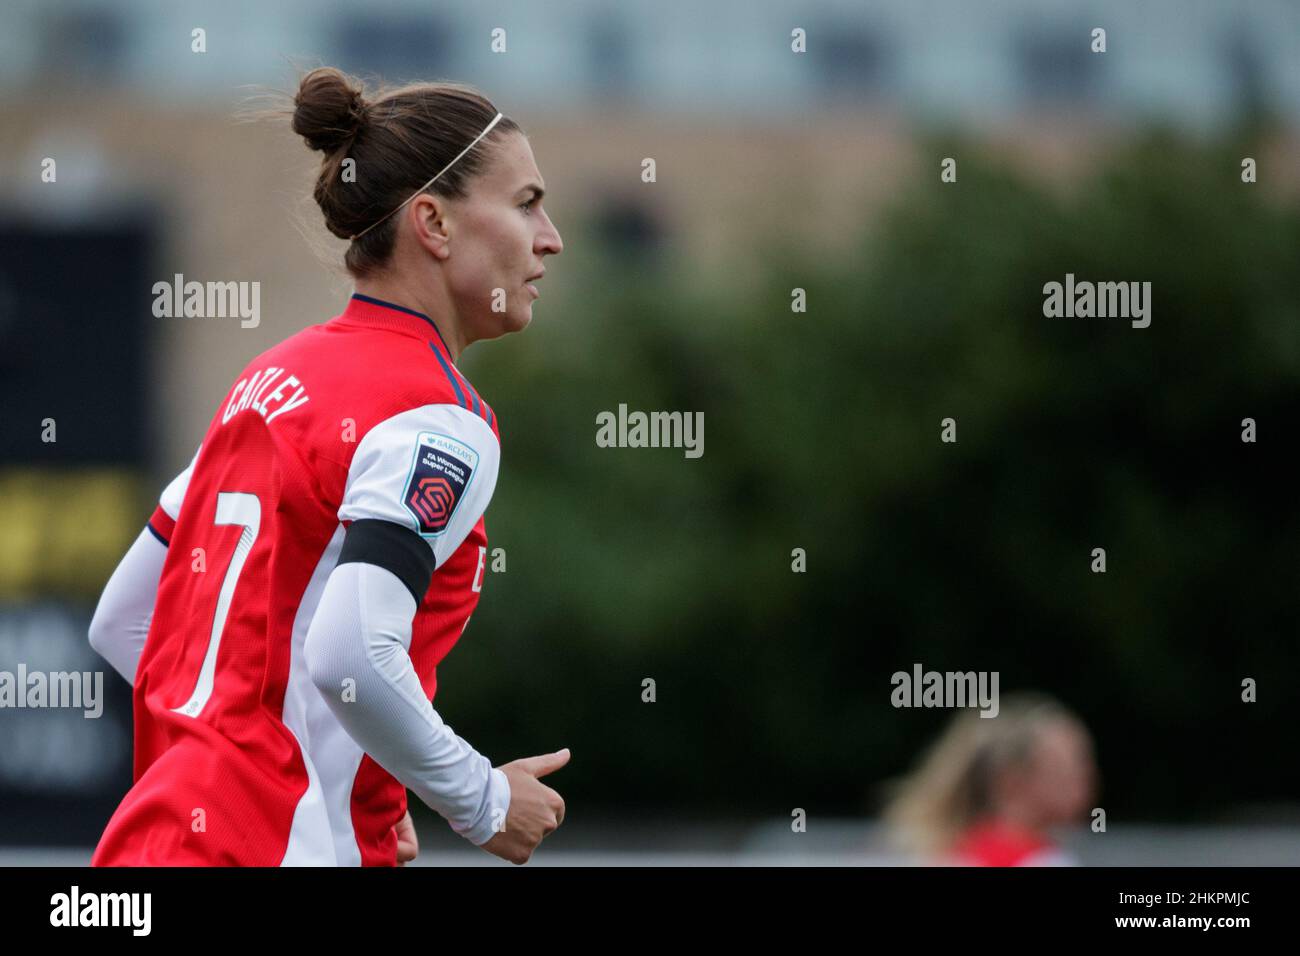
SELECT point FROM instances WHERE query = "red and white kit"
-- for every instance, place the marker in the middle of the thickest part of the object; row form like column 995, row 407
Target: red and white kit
column 283, row 616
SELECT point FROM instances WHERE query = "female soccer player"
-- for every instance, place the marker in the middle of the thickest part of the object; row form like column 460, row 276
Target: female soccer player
column 282, row 616
column 990, row 791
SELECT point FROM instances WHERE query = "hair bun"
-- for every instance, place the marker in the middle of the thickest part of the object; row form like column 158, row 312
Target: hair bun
column 328, row 109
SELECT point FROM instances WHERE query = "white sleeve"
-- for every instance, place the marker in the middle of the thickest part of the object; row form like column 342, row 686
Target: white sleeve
column 431, row 469
column 121, row 620
column 356, row 652
column 174, row 494
column 125, row 609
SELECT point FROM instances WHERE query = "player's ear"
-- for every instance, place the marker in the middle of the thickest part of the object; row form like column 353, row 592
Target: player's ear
column 429, row 217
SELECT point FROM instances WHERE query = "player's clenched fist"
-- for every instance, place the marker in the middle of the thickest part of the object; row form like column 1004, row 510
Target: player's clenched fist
column 535, row 809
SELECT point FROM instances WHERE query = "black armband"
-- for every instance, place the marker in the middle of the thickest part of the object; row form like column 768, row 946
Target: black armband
column 394, row 548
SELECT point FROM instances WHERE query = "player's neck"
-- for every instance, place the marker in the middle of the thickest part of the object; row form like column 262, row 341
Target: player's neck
column 436, row 306
column 1016, row 816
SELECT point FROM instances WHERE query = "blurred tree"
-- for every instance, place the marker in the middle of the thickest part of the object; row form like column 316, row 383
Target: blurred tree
column 822, row 432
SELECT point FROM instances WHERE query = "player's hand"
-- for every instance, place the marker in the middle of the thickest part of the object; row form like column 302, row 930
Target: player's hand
column 408, row 846
column 535, row 809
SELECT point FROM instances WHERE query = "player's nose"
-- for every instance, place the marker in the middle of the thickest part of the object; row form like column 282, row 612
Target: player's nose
column 549, row 241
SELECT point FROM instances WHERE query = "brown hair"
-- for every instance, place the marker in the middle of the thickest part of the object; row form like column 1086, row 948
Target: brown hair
column 399, row 138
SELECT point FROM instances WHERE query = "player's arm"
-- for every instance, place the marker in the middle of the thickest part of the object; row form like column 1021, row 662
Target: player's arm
column 357, row 652
column 357, row 647
column 120, row 624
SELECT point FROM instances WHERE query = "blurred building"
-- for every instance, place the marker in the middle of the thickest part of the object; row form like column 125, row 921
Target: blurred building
column 1194, row 62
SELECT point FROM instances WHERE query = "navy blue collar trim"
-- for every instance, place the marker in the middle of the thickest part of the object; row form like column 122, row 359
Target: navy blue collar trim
column 401, row 308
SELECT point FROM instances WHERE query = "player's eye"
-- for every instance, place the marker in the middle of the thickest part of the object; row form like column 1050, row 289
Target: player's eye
column 529, row 204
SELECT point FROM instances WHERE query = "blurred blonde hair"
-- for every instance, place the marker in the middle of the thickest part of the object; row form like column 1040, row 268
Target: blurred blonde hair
column 952, row 785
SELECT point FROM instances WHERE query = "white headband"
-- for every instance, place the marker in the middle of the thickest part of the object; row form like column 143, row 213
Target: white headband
column 494, row 122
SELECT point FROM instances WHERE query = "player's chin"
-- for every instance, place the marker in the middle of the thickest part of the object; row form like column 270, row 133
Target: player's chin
column 516, row 320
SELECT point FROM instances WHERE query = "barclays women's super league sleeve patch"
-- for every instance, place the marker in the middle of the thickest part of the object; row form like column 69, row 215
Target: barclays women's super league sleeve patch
column 440, row 476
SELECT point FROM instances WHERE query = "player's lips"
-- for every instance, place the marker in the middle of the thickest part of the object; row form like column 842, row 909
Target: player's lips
column 532, row 288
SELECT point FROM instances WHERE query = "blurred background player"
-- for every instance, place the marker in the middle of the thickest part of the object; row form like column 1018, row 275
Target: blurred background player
column 303, row 577
column 990, row 791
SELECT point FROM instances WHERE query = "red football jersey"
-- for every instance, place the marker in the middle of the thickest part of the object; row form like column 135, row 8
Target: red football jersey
column 993, row 842
column 238, row 758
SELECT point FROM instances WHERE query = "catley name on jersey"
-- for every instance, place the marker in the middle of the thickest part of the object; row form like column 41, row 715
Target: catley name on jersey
column 257, row 393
